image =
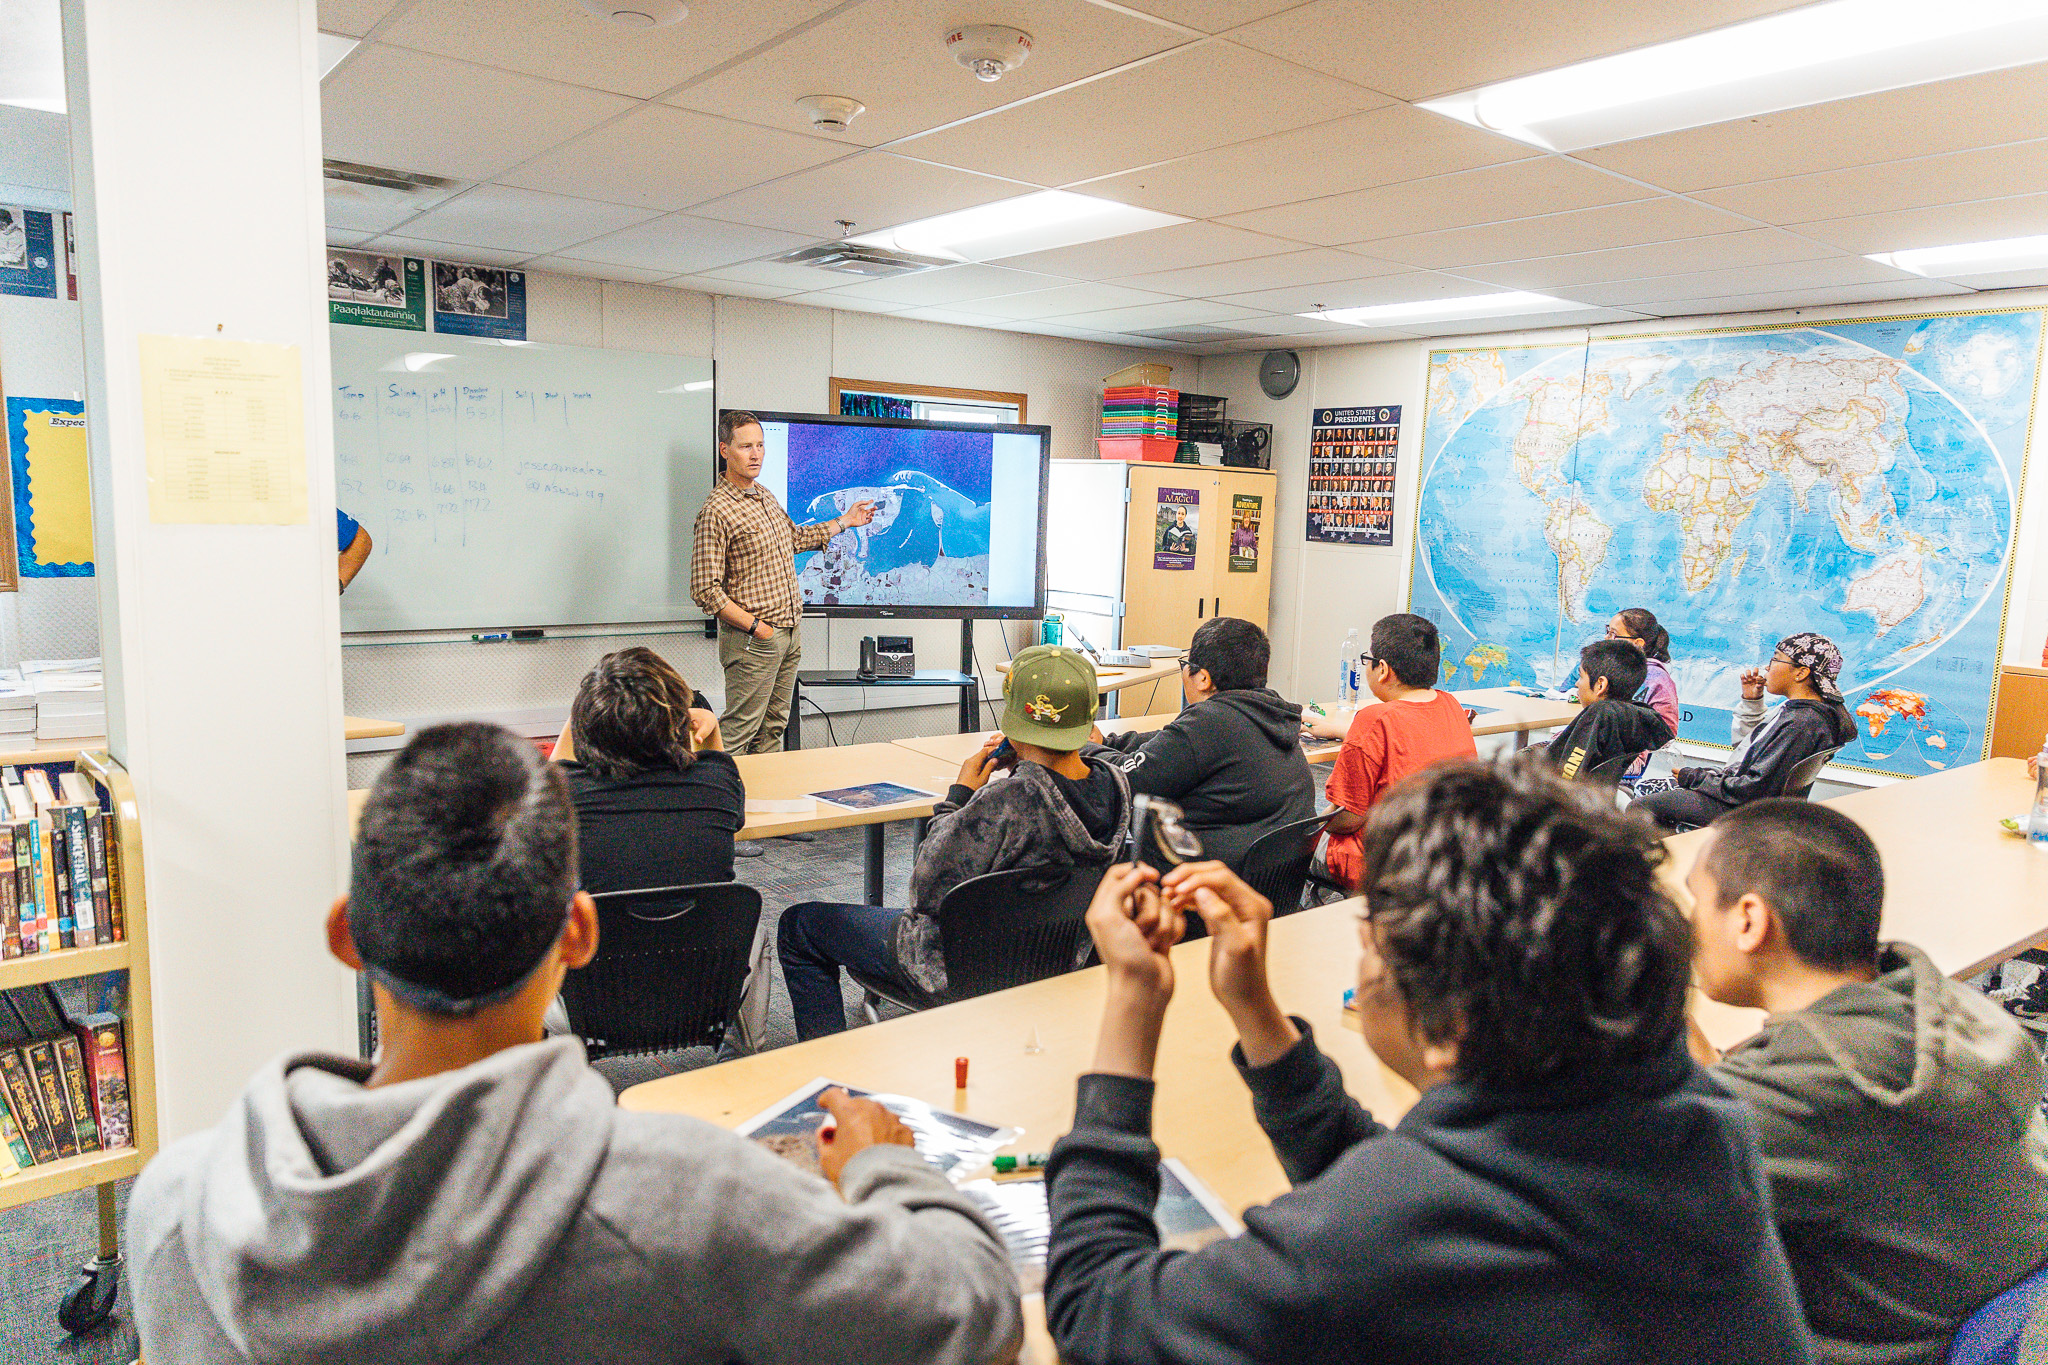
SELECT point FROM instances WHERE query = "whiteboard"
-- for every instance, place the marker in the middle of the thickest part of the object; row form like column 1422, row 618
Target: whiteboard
column 517, row 485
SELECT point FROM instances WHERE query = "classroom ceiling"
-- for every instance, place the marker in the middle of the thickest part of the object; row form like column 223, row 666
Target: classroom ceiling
column 1285, row 131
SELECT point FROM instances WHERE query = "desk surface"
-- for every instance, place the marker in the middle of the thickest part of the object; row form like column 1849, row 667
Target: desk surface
column 34, row 750
column 794, row 773
column 1110, row 678
column 955, row 748
column 1508, row 714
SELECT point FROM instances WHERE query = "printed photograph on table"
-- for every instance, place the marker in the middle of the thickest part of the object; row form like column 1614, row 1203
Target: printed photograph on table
column 1173, row 543
column 479, row 301
column 374, row 289
column 1351, row 456
column 28, row 252
column 955, row 1144
column 1246, row 510
column 872, row 796
column 52, row 494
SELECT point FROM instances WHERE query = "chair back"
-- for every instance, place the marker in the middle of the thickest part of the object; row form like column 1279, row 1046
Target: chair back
column 1276, row 865
column 1806, row 772
column 1608, row 772
column 2011, row 1329
column 1004, row 929
column 671, row 964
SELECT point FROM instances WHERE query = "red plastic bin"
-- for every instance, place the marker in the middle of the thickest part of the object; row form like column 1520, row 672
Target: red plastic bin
column 1137, row 448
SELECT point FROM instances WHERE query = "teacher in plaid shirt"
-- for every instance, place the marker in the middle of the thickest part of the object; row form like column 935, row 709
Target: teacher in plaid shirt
column 743, row 571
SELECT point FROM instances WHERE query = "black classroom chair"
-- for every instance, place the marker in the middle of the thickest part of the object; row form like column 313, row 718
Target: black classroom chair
column 671, row 965
column 999, row 930
column 1799, row 782
column 1276, row 865
column 1608, row 772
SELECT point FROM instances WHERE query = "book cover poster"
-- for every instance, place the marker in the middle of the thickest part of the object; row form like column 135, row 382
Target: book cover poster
column 28, row 252
column 373, row 289
column 1351, row 474
column 1173, row 545
column 1246, row 510
column 479, row 301
column 52, row 495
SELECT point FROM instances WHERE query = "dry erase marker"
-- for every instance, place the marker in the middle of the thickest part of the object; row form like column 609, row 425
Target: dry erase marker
column 495, row 635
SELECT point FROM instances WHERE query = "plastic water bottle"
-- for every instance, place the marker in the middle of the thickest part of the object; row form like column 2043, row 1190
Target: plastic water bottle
column 1347, row 670
column 2037, row 819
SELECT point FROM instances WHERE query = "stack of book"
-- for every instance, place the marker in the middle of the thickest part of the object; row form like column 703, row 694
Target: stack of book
column 17, row 706
column 63, row 1082
column 60, row 865
column 1140, row 410
column 71, row 697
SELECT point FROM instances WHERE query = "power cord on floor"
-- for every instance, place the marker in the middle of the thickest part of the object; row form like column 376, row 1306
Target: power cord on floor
column 825, row 716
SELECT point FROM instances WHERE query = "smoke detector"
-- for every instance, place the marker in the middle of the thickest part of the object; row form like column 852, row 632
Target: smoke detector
column 638, row 13
column 988, row 50
column 831, row 113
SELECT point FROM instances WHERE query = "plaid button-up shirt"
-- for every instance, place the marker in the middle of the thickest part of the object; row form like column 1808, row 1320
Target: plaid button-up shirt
column 745, row 553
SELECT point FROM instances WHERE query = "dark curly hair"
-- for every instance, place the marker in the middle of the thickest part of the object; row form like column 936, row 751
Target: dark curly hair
column 1522, row 919
column 631, row 715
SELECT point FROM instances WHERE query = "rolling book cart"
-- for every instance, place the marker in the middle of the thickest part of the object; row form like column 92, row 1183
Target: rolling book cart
column 88, row 1305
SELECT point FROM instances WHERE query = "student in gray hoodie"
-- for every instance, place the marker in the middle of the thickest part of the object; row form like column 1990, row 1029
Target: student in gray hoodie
column 1900, row 1110
column 476, row 1196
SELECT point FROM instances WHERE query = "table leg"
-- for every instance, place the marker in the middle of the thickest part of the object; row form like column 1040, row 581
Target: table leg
column 872, row 863
column 970, row 707
column 792, row 733
column 918, row 829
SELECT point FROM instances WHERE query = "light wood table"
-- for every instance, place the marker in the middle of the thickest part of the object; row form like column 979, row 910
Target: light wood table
column 955, row 748
column 1508, row 713
column 34, row 750
column 1202, row 1112
column 1956, row 885
column 361, row 727
column 1115, row 678
column 793, row 774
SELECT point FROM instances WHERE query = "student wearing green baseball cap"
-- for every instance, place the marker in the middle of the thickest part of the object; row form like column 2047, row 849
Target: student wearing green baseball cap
column 1035, row 801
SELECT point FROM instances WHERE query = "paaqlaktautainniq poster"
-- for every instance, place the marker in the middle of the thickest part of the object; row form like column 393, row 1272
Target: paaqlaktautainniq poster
column 28, row 252
column 479, row 301
column 374, row 289
column 1174, row 545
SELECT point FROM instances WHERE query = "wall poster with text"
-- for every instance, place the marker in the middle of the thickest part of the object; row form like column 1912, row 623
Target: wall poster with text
column 1246, row 511
column 376, row 289
column 479, row 301
column 1173, row 546
column 28, row 252
column 1351, row 474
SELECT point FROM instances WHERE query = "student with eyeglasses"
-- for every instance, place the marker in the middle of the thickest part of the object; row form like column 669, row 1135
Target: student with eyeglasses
column 1638, row 626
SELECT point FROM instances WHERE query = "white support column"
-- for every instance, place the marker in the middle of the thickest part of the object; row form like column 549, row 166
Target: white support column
column 196, row 166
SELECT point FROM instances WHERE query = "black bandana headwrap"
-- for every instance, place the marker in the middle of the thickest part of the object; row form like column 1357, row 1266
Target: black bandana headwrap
column 1818, row 655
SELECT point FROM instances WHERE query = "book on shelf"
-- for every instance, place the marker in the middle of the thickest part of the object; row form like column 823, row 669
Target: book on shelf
column 10, row 903
column 14, row 1153
column 20, row 1087
column 23, row 832
column 102, row 885
column 57, row 858
column 41, row 1015
column 49, row 1083
column 117, row 878
column 65, row 1094
column 84, row 909
column 77, row 1092
column 104, row 1044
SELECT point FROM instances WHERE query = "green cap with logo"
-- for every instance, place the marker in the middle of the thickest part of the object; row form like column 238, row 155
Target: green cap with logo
column 1049, row 698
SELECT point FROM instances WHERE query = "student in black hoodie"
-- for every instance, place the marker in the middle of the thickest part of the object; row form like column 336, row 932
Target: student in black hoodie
column 1802, row 670
column 1570, row 1187
column 1613, row 722
column 1233, row 758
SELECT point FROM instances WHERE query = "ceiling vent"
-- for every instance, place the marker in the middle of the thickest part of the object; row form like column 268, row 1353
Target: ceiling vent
column 405, row 182
column 1192, row 334
column 869, row 262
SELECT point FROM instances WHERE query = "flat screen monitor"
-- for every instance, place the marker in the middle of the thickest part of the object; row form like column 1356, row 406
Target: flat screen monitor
column 959, row 528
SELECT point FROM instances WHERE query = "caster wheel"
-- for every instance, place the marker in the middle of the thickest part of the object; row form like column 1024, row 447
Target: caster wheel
column 92, row 1303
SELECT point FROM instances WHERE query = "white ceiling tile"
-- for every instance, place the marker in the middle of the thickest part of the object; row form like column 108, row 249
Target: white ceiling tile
column 444, row 251
column 1379, row 147
column 951, row 284
column 1358, row 293
column 1072, row 298
column 560, row 40
column 873, row 190
column 1153, row 316
column 954, row 317
column 1721, row 251
column 663, row 158
column 2011, row 279
column 1921, row 120
column 1211, row 16
column 681, row 245
column 830, row 299
column 1290, row 326
column 780, row 275
column 1950, row 178
column 717, row 284
column 1578, row 317
column 1816, row 276
column 592, row 270
column 372, row 208
column 38, row 144
column 1988, row 220
column 1269, row 272
column 891, row 56
column 353, row 17
column 1519, row 189
column 1595, row 229
column 390, row 107
column 510, row 219
column 348, row 238
column 1167, row 248
column 1799, row 299
column 1047, row 328
column 1197, row 97
column 1413, row 49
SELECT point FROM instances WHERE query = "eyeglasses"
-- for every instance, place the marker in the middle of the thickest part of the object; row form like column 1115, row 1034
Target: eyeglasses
column 1614, row 634
column 1368, row 660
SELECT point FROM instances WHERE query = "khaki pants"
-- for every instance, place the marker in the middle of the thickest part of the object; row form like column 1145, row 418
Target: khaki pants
column 760, row 675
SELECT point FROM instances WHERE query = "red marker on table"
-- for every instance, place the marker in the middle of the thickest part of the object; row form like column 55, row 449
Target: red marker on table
column 959, row 1073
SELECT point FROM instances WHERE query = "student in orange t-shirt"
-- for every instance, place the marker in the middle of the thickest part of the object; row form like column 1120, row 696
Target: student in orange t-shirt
column 1412, row 726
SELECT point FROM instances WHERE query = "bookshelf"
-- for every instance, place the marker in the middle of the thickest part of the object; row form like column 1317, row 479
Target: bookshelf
column 90, row 1303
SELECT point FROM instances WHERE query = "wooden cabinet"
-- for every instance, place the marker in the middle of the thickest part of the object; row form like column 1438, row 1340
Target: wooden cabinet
column 1164, row 602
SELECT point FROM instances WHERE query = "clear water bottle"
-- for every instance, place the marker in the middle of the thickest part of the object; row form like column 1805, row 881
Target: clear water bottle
column 1347, row 670
column 2037, row 819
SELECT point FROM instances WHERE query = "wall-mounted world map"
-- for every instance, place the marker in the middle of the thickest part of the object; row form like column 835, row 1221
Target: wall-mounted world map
column 1859, row 479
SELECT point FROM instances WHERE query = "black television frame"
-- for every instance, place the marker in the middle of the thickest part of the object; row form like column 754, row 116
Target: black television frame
column 1044, row 434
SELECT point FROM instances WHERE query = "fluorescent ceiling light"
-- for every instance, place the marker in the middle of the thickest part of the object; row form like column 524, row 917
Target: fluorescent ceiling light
column 1811, row 55
column 1012, row 227
column 333, row 47
column 1512, row 304
column 1970, row 258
